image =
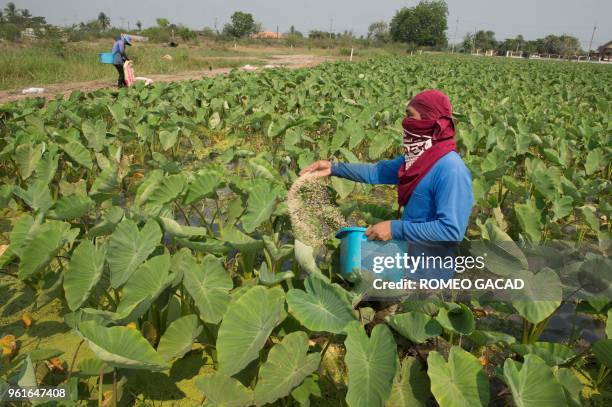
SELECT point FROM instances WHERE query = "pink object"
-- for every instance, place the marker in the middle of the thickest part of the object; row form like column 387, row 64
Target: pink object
column 128, row 72
column 437, row 124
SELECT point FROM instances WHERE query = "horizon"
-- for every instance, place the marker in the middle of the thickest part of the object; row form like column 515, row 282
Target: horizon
column 506, row 19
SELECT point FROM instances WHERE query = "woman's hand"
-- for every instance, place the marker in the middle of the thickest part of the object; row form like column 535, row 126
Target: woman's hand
column 320, row 168
column 380, row 231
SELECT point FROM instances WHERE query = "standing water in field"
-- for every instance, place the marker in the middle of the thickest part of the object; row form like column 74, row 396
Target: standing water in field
column 313, row 215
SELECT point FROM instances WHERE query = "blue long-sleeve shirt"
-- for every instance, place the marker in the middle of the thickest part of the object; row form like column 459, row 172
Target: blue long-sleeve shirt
column 438, row 209
column 119, row 55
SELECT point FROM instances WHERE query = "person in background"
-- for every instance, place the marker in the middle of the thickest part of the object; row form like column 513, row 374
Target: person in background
column 119, row 57
column 433, row 184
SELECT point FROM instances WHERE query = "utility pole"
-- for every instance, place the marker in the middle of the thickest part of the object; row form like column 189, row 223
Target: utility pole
column 591, row 42
column 455, row 36
column 331, row 25
column 277, row 37
column 216, row 20
column 474, row 41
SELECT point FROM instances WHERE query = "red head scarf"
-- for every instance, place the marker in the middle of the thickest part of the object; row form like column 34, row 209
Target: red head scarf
column 436, row 124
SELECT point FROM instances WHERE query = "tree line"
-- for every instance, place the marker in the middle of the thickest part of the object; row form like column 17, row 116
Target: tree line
column 421, row 26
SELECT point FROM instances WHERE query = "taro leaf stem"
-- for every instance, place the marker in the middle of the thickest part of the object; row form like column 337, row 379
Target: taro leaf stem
column 180, row 208
column 76, row 352
column 115, row 387
column 329, row 341
column 100, row 380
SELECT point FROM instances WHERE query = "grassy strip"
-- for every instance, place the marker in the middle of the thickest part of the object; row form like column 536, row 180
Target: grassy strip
column 38, row 64
column 42, row 63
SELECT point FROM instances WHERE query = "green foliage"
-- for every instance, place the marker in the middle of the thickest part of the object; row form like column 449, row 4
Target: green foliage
column 159, row 228
column 460, row 382
column 242, row 25
column 423, row 25
column 371, row 364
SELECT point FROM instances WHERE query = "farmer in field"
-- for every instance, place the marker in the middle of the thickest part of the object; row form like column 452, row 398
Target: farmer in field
column 119, row 57
column 433, row 184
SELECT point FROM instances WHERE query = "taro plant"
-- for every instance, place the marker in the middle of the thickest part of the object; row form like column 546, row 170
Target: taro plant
column 152, row 224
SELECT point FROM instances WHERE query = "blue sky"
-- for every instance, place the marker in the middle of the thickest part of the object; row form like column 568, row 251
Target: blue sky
column 532, row 18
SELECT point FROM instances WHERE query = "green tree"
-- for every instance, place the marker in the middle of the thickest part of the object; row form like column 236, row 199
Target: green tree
column 104, row 21
column 208, row 32
column 512, row 44
column 483, row 40
column 378, row 31
column 294, row 33
column 162, row 22
column 11, row 11
column 242, row 25
column 139, row 25
column 25, row 14
column 424, row 25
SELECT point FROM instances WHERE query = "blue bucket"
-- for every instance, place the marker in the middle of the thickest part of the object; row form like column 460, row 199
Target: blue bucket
column 359, row 255
column 350, row 248
column 106, row 57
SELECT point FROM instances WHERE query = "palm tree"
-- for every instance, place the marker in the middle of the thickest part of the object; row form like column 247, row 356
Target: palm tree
column 10, row 10
column 25, row 13
column 104, row 21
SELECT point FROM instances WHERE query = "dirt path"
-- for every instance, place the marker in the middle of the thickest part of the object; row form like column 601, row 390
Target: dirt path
column 288, row 61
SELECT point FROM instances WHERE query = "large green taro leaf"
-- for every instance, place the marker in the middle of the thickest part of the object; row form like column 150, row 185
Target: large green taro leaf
column 321, row 307
column 529, row 219
column 121, row 347
column 540, row 297
column 179, row 337
column 533, row 383
column 416, row 326
column 175, row 229
column 483, row 338
column 40, row 249
column 459, row 383
column 78, row 153
column 572, row 386
column 371, row 364
column 224, row 391
column 37, row 196
column 203, row 186
column 457, row 319
column 410, row 386
column 503, row 256
column 167, row 190
column 552, row 353
column 304, row 255
column 287, row 366
column 129, row 247
column 603, row 351
column 246, row 326
column 95, row 133
column 146, row 283
column 83, row 273
column 260, row 206
column 26, row 157
column 208, row 283
column 70, row 207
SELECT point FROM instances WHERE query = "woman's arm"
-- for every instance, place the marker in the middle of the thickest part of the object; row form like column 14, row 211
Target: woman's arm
column 453, row 200
column 382, row 172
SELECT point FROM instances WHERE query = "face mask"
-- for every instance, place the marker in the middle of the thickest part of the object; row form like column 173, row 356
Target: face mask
column 414, row 146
